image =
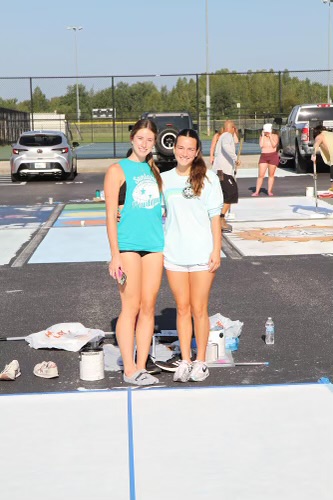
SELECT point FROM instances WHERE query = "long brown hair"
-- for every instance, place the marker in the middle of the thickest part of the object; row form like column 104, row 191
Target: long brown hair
column 198, row 167
column 145, row 123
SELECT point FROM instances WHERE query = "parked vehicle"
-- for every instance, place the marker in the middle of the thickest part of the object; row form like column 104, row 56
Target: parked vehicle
column 168, row 126
column 43, row 153
column 296, row 136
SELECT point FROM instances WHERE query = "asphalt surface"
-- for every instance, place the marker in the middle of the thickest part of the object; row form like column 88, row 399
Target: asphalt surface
column 295, row 290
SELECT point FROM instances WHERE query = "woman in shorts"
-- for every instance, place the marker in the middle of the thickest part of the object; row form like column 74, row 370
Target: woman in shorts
column 193, row 200
column 269, row 158
column 136, row 241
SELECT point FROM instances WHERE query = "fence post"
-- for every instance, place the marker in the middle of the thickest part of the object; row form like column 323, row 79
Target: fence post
column 31, row 105
column 280, row 92
column 198, row 113
column 113, row 119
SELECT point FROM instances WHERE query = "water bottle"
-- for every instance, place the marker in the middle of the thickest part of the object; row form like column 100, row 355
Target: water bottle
column 269, row 331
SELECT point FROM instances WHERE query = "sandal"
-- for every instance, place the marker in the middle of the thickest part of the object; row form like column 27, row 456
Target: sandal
column 141, row 377
column 255, row 194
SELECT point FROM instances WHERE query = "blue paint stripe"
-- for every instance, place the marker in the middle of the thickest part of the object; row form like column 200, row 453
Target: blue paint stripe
column 130, row 445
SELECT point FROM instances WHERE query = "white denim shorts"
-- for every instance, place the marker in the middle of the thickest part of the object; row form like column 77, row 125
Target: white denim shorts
column 185, row 269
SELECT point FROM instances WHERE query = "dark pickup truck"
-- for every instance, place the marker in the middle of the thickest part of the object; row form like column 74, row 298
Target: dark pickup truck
column 296, row 136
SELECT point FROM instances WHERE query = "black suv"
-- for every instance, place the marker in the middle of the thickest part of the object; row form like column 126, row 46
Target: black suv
column 168, row 126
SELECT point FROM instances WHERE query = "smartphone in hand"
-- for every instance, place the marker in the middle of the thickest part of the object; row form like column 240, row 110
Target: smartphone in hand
column 121, row 277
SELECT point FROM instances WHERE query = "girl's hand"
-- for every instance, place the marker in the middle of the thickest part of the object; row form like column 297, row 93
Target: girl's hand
column 214, row 261
column 114, row 266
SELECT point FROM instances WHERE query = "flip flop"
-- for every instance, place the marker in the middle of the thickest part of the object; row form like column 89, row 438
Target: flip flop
column 255, row 194
column 141, row 377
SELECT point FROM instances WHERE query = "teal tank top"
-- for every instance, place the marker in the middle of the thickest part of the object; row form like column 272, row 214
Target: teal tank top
column 140, row 227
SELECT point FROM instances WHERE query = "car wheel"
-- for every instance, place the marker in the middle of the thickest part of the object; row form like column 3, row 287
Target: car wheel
column 165, row 141
column 15, row 178
column 301, row 165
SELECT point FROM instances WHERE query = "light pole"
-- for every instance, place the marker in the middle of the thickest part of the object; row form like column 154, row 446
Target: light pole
column 78, row 112
column 207, row 74
column 329, row 50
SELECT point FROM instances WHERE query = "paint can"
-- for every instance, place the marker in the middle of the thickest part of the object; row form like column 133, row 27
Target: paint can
column 217, row 337
column 309, row 192
column 212, row 352
column 92, row 363
column 51, row 201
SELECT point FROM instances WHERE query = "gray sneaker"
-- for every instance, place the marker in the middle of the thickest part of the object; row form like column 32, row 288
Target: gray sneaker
column 183, row 372
column 199, row 371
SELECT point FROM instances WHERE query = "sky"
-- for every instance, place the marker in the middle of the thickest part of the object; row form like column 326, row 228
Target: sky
column 143, row 37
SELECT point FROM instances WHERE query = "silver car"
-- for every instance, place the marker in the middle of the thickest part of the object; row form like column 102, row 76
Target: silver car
column 43, row 153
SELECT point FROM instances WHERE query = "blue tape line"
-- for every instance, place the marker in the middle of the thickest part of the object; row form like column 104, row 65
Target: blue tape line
column 130, row 445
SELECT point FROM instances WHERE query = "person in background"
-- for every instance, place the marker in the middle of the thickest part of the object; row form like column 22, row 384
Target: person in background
column 225, row 164
column 193, row 201
column 215, row 138
column 136, row 243
column 324, row 144
column 269, row 158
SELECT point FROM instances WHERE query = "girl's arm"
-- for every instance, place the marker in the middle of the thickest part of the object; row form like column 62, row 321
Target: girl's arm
column 274, row 138
column 113, row 180
column 212, row 147
column 215, row 257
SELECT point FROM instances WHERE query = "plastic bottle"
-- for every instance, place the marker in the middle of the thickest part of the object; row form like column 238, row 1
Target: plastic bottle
column 269, row 331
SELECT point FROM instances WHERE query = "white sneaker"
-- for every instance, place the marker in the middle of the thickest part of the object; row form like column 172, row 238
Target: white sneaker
column 46, row 369
column 11, row 371
column 183, row 372
column 199, row 371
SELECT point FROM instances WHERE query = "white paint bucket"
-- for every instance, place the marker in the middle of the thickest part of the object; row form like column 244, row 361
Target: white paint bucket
column 217, row 337
column 92, row 364
column 309, row 192
column 212, row 352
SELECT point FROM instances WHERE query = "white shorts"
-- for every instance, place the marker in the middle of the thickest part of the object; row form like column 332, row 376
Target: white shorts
column 185, row 269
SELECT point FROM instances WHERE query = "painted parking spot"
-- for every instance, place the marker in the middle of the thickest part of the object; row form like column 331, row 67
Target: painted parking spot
column 87, row 214
column 17, row 227
column 73, row 244
column 274, row 208
column 33, row 216
column 11, row 242
column 267, row 238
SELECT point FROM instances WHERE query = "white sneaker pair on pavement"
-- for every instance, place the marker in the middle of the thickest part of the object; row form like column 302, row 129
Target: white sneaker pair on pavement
column 195, row 372
column 46, row 369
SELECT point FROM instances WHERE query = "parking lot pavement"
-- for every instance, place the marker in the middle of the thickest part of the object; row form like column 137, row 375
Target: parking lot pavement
column 276, row 263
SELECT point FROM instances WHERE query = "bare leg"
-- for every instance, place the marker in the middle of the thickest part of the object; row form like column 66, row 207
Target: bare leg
column 180, row 287
column 271, row 178
column 224, row 211
column 200, row 286
column 130, row 295
column 261, row 175
column 152, row 269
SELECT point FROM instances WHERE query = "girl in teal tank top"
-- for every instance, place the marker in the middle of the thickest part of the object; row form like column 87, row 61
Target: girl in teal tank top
column 140, row 225
column 136, row 243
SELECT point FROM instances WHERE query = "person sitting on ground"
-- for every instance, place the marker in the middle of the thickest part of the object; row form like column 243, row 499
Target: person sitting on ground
column 324, row 143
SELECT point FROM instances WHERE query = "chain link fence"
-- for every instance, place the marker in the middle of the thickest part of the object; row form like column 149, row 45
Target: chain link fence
column 250, row 99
